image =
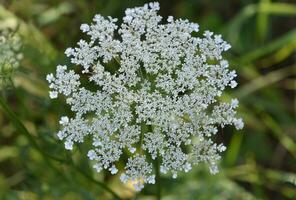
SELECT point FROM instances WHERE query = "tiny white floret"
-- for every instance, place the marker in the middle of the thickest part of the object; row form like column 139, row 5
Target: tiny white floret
column 64, row 120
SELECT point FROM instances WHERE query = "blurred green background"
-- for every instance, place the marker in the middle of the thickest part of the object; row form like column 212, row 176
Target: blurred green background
column 260, row 162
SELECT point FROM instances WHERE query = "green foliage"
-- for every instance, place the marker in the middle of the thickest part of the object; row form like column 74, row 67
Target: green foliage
column 260, row 161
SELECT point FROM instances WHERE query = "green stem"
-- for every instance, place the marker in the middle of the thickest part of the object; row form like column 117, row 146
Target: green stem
column 157, row 174
column 156, row 164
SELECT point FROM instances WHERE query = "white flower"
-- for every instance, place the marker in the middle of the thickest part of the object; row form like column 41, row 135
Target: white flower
column 138, row 171
column 113, row 170
column 161, row 101
column 84, row 28
column 64, row 120
column 233, row 84
column 69, row 144
column 234, row 103
column 91, row 154
column 53, row 94
column 207, row 151
column 132, row 150
column 238, row 123
column 50, row 77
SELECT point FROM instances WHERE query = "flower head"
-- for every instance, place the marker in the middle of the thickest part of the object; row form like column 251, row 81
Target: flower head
column 158, row 90
column 10, row 56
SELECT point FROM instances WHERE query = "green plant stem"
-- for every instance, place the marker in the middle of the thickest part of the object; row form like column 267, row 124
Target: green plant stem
column 156, row 164
column 158, row 181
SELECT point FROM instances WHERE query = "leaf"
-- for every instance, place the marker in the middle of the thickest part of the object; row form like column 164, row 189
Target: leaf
column 262, row 21
column 263, row 81
column 233, row 29
column 249, row 57
column 53, row 14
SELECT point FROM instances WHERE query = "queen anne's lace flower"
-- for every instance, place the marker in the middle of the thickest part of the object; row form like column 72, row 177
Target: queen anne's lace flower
column 154, row 95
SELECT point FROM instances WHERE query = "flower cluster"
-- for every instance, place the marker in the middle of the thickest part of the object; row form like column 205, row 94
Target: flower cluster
column 155, row 94
column 10, row 56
